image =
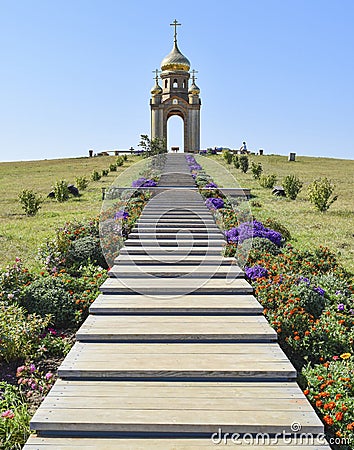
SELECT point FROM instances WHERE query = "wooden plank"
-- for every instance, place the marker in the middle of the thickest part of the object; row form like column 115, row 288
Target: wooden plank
column 197, row 304
column 216, row 271
column 151, row 285
column 175, row 259
column 42, row 443
column 202, row 251
column 175, row 243
column 100, row 361
column 176, row 328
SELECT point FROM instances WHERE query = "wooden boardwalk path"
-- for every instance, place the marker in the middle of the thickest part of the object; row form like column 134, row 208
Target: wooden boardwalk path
column 176, row 349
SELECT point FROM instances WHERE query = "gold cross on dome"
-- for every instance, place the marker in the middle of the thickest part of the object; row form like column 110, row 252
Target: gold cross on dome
column 175, row 24
column 156, row 72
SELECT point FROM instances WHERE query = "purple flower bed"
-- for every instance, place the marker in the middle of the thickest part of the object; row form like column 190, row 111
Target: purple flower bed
column 211, row 186
column 253, row 229
column 144, row 182
column 256, row 272
column 121, row 214
column 214, row 203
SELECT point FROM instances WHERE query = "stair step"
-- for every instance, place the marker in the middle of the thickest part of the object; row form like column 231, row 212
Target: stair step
column 163, row 258
column 176, row 329
column 177, row 361
column 187, row 304
column 172, row 251
column 158, row 286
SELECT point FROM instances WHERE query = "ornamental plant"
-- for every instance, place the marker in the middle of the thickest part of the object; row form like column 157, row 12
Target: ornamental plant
column 61, row 191
column 244, row 163
column 248, row 230
column 81, row 183
column 105, row 173
column 268, row 181
column 95, row 175
column 30, row 201
column 227, row 156
column 214, row 203
column 320, row 194
column 256, row 169
column 120, row 161
column 292, row 186
column 236, row 161
column 113, row 167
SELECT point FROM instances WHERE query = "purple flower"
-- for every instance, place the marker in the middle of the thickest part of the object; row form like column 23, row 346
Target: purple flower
column 341, row 307
column 256, row 272
column 211, row 185
column 214, row 203
column 121, row 214
column 48, row 375
column 248, row 230
column 144, row 182
column 319, row 290
column 304, row 280
column 32, row 368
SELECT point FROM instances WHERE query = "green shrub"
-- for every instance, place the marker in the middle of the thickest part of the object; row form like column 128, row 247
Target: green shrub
column 14, row 423
column 61, row 191
column 263, row 245
column 95, row 176
column 19, row 332
column 105, row 172
column 277, row 226
column 255, row 204
column 12, row 280
column 292, row 186
column 227, row 156
column 30, row 201
column 236, row 161
column 320, row 193
column 257, row 170
column 125, row 157
column 119, row 161
column 244, row 163
column 86, row 249
column 113, row 167
column 268, row 181
column 81, row 183
column 49, row 295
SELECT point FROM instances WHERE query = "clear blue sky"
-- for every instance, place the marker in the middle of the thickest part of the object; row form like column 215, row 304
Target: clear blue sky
column 77, row 74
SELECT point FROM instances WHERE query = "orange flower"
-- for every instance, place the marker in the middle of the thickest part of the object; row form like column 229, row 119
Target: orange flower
column 339, row 416
column 350, row 426
column 297, row 338
column 306, row 391
column 330, row 405
column 338, row 396
column 319, row 403
column 328, row 420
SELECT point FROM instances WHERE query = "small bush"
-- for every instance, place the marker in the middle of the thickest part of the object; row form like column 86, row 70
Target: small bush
column 14, row 428
column 263, row 245
column 113, row 167
column 49, row 295
column 244, row 163
column 119, row 161
column 320, row 194
column 256, row 170
column 227, row 156
column 81, row 183
column 125, row 157
column 292, row 186
column 255, row 204
column 105, row 172
column 61, row 191
column 85, row 249
column 277, row 226
column 95, row 176
column 268, row 181
column 30, row 201
column 236, row 161
column 19, row 332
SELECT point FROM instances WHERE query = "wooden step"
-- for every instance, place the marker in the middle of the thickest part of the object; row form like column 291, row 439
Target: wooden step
column 180, row 235
column 167, row 271
column 175, row 243
column 131, row 328
column 187, row 304
column 177, row 361
column 132, row 408
column 158, row 286
column 47, row 443
column 184, row 251
column 190, row 260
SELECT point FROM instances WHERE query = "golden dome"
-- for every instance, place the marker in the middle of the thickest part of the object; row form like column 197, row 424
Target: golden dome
column 194, row 89
column 175, row 60
column 157, row 89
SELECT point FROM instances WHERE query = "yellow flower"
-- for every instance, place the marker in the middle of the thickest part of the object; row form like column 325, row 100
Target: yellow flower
column 345, row 355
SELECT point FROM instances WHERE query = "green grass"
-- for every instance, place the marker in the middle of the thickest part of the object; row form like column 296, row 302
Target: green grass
column 20, row 236
column 308, row 227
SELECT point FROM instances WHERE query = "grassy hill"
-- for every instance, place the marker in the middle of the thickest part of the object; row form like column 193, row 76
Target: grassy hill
column 20, row 236
column 308, row 227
